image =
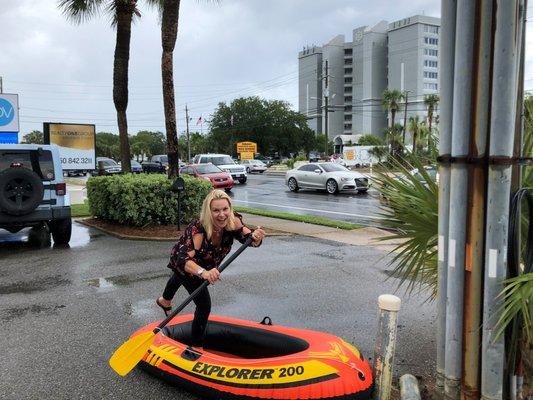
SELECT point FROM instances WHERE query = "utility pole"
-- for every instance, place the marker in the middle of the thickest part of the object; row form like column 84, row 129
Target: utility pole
column 326, row 97
column 406, row 94
column 188, row 138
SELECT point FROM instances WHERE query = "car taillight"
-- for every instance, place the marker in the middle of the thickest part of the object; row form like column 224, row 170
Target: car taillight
column 61, row 189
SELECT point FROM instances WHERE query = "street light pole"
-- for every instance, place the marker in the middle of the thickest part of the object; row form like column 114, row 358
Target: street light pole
column 326, row 97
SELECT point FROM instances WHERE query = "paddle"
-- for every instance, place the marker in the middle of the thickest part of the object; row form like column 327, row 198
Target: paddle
column 128, row 355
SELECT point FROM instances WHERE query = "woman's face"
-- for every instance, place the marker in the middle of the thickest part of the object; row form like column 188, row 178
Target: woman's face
column 220, row 212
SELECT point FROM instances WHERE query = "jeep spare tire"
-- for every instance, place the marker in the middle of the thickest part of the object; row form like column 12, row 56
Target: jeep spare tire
column 21, row 191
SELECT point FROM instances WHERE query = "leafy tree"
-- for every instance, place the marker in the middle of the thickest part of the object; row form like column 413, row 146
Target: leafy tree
column 122, row 14
column 147, row 143
column 34, row 136
column 269, row 123
column 107, row 145
column 370, row 140
column 414, row 127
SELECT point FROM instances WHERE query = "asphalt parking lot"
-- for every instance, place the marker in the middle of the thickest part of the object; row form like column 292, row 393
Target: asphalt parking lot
column 64, row 311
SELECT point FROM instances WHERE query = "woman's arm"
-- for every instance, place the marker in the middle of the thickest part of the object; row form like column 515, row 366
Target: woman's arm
column 193, row 268
column 257, row 234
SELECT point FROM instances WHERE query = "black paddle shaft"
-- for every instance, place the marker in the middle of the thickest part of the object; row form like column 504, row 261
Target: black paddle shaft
column 204, row 284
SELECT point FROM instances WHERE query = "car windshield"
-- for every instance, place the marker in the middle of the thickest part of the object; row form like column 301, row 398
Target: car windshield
column 40, row 162
column 163, row 159
column 207, row 169
column 257, row 162
column 135, row 163
column 222, row 160
column 331, row 167
column 108, row 162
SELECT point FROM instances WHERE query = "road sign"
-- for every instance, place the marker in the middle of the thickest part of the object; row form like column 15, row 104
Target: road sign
column 246, row 147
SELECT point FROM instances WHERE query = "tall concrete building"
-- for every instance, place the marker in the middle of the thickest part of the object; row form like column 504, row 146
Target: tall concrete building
column 352, row 75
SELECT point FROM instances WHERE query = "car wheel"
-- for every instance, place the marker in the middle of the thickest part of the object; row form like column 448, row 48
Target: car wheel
column 293, row 185
column 61, row 230
column 331, row 186
column 39, row 236
column 261, row 171
column 247, row 170
column 21, row 191
column 242, row 180
column 362, row 191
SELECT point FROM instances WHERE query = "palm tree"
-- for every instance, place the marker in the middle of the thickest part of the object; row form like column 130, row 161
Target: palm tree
column 414, row 128
column 431, row 101
column 169, row 10
column 390, row 101
column 122, row 14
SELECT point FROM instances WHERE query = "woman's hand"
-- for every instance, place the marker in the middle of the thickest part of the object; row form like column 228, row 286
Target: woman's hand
column 258, row 235
column 211, row 275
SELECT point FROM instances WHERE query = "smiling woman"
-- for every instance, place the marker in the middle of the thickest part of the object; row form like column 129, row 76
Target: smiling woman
column 199, row 252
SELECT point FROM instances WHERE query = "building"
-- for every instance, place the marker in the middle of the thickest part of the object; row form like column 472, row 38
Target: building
column 352, row 76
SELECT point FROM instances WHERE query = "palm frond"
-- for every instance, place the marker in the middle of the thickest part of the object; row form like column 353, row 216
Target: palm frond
column 79, row 11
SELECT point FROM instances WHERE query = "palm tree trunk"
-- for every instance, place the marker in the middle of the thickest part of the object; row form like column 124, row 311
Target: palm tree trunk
column 430, row 118
column 414, row 141
column 169, row 33
column 124, row 16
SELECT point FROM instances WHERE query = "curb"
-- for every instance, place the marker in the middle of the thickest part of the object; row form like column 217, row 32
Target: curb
column 126, row 237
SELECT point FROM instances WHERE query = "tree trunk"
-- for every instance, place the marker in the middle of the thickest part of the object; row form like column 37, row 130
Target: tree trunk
column 169, row 33
column 120, row 77
column 414, row 141
column 430, row 118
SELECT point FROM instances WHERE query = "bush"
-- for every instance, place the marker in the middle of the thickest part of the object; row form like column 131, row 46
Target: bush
column 141, row 199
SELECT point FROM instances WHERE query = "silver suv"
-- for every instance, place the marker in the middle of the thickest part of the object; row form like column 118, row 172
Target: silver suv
column 225, row 163
column 33, row 193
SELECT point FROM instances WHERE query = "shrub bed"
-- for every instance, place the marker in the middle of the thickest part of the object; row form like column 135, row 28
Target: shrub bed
column 143, row 199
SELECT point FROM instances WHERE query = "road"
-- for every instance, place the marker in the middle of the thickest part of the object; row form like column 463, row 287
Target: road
column 269, row 192
column 63, row 311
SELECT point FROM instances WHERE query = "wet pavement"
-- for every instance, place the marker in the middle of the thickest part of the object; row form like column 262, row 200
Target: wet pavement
column 63, row 311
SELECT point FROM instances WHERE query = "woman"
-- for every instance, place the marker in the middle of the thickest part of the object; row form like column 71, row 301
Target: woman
column 199, row 252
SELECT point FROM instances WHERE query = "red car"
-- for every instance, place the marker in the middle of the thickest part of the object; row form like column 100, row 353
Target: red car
column 218, row 178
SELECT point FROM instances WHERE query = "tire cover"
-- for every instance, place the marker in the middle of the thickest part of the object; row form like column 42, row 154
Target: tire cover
column 21, row 191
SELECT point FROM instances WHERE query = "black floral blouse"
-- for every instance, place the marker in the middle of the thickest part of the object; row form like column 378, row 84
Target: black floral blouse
column 208, row 256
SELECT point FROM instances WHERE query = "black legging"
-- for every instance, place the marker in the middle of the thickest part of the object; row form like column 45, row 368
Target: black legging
column 202, row 301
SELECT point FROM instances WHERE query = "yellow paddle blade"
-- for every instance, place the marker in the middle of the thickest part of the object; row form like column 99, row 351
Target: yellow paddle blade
column 127, row 356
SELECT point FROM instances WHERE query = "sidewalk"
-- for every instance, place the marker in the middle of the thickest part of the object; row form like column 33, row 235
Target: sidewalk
column 368, row 236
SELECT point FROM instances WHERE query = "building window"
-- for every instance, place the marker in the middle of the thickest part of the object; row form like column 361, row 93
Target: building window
column 347, row 126
column 348, row 117
column 348, row 52
column 430, row 86
column 430, row 63
column 348, row 89
column 348, row 61
column 431, row 29
column 430, row 75
column 431, row 52
column 430, row 40
column 348, row 80
column 347, row 108
column 348, row 70
column 347, row 99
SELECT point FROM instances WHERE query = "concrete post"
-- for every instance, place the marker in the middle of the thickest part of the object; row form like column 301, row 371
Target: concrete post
column 409, row 388
column 389, row 306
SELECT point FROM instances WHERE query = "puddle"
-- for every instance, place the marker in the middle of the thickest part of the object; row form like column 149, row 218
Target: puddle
column 37, row 285
column 112, row 282
column 20, row 312
column 81, row 236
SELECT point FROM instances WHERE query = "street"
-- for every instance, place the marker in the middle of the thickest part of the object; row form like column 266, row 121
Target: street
column 65, row 310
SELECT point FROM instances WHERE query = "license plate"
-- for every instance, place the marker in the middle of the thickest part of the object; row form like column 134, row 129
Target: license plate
column 238, row 175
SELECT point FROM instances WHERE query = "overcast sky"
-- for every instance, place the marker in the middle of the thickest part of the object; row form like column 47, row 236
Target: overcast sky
column 63, row 72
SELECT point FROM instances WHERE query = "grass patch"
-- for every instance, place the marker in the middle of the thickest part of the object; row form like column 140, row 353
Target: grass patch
column 310, row 219
column 80, row 210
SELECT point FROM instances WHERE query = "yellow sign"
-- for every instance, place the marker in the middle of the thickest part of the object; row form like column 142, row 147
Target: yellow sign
column 246, row 147
column 73, row 136
column 247, row 155
column 349, row 154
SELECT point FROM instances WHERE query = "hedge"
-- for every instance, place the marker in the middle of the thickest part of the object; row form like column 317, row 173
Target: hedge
column 144, row 199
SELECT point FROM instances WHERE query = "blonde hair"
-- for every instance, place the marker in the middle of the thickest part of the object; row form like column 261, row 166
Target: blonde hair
column 206, row 219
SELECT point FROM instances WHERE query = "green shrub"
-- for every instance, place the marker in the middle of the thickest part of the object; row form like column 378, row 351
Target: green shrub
column 142, row 199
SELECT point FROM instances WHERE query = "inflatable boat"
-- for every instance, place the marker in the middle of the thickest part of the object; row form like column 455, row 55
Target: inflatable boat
column 257, row 360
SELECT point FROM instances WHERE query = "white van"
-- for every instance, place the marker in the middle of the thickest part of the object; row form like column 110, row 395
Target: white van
column 225, row 163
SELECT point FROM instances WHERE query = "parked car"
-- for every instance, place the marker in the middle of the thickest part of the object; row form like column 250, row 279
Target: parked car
column 225, row 163
column 327, row 175
column 267, row 160
column 254, row 166
column 136, row 167
column 107, row 166
column 218, row 178
column 158, row 163
column 33, row 193
column 314, row 156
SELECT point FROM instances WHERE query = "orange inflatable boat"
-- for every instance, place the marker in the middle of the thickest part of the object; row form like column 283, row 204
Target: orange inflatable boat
column 250, row 360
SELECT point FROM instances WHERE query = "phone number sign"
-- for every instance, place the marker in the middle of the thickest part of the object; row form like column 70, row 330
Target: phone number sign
column 76, row 142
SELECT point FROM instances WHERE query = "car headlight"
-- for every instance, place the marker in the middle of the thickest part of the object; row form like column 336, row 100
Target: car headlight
column 344, row 179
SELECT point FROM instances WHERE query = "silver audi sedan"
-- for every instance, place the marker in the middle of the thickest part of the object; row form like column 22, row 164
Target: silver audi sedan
column 329, row 176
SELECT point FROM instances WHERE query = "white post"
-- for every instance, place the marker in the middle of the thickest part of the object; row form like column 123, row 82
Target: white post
column 389, row 306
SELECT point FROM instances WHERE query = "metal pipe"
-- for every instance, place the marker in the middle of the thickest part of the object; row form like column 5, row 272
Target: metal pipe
column 476, row 206
column 461, row 128
column 507, row 37
column 409, row 388
column 447, row 51
column 389, row 306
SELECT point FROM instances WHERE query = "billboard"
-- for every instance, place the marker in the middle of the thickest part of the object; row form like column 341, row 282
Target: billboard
column 76, row 142
column 247, row 150
column 9, row 118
